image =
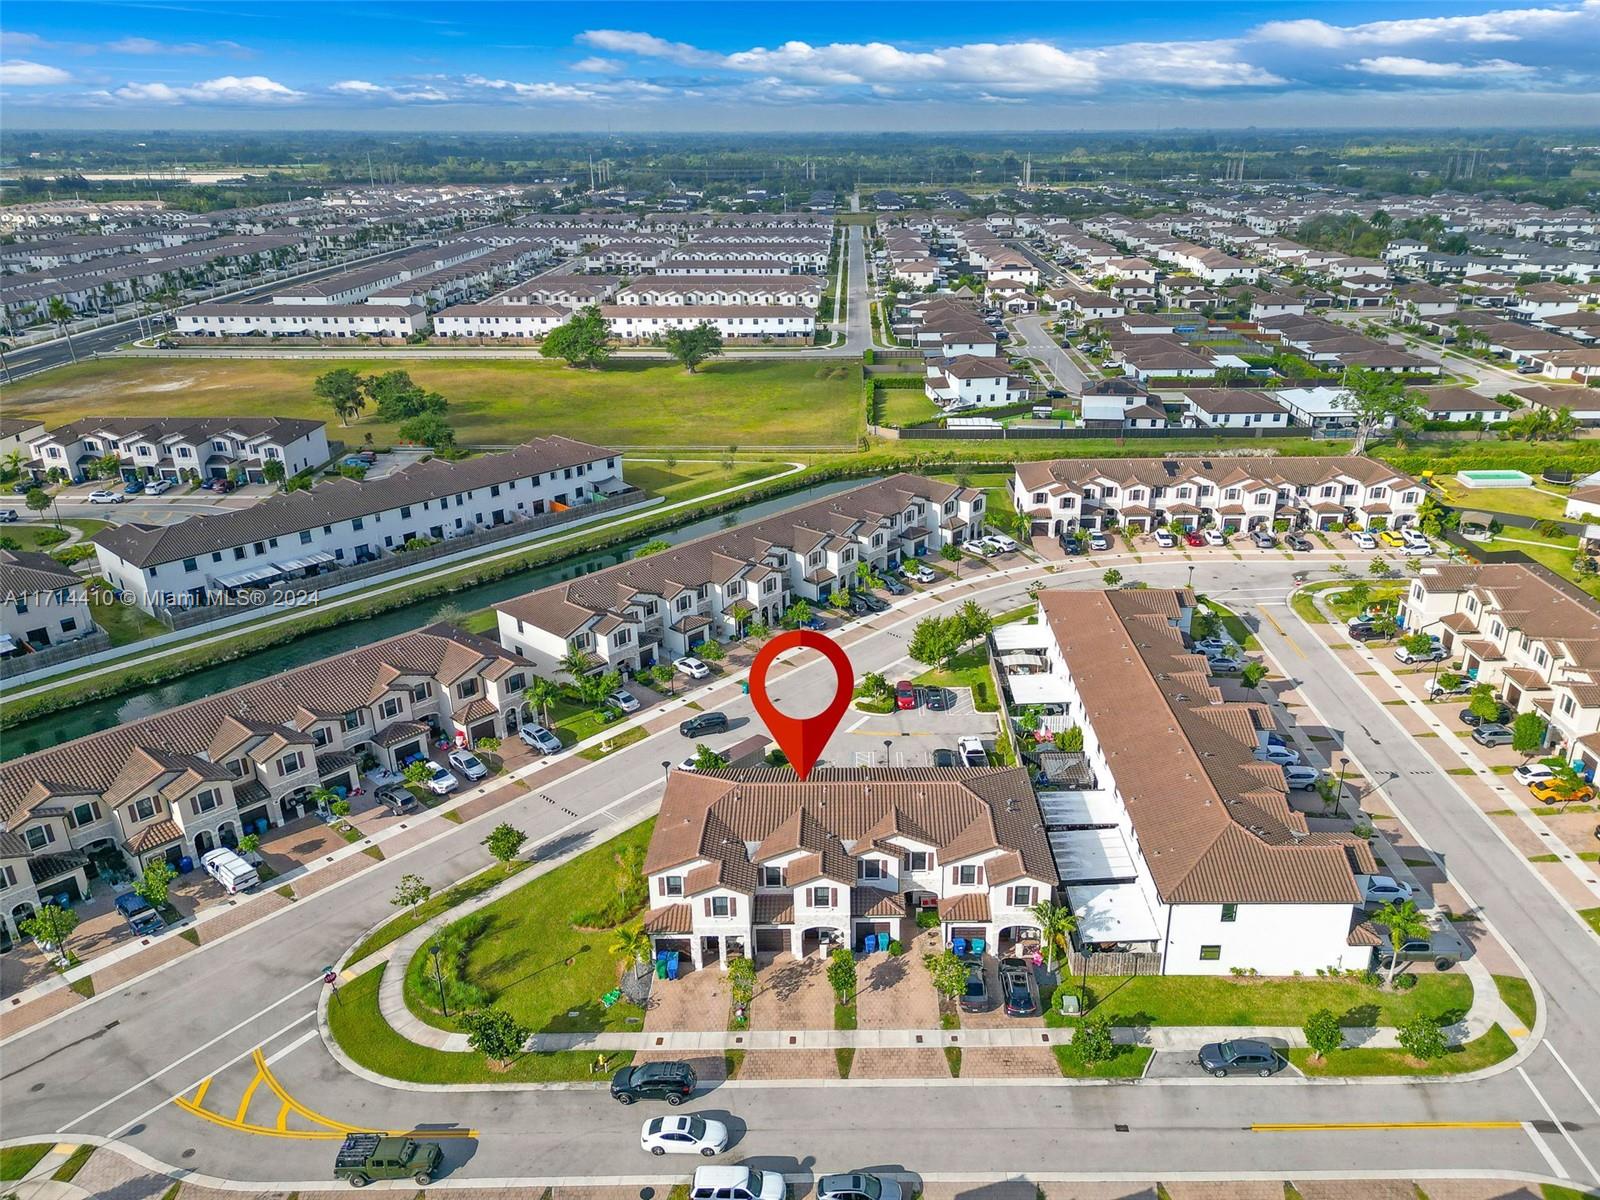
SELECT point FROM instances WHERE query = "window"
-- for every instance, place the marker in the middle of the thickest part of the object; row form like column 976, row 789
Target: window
column 390, row 708
column 514, row 683
column 421, row 692
column 467, row 688
column 205, row 801
column 1230, row 913
column 771, row 876
column 68, row 624
column 720, row 906
column 673, row 885
column 355, row 719
column 305, row 537
column 1020, row 896
column 871, row 868
column 967, row 876
column 189, row 564
column 84, row 814
column 919, row 860
column 144, row 808
column 40, row 836
column 821, row 897
column 1567, row 705
column 320, row 736
column 1210, row 953
column 290, row 763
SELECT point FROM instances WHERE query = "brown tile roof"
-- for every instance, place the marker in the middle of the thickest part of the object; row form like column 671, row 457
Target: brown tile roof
column 1211, row 827
column 969, row 906
column 162, row 833
column 674, row 918
column 875, row 902
column 1168, row 472
column 1363, row 933
column 91, row 765
column 774, row 910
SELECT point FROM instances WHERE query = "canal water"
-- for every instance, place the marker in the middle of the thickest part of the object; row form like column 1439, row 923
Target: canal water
column 57, row 727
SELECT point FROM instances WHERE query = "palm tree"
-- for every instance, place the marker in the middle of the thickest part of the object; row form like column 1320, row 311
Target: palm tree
column 1405, row 924
column 632, row 944
column 577, row 662
column 12, row 462
column 5, row 348
column 541, row 694
column 60, row 313
column 1056, row 924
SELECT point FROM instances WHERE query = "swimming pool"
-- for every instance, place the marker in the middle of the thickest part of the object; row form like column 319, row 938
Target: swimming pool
column 1494, row 479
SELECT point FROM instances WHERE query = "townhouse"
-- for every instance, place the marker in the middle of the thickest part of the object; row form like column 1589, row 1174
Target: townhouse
column 1462, row 404
column 641, row 322
column 968, row 381
column 1233, row 408
column 1173, row 839
column 753, row 861
column 723, row 266
column 1141, row 494
column 42, row 603
column 499, row 320
column 657, row 608
column 307, row 320
column 174, row 785
column 795, row 290
column 341, row 522
column 183, row 448
column 1527, row 632
column 1582, row 403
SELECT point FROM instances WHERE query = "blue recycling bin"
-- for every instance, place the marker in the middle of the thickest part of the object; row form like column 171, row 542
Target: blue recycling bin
column 262, row 825
column 185, row 865
column 870, row 943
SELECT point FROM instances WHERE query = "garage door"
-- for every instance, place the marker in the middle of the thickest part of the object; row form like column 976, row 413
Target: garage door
column 344, row 779
column 409, row 751
column 772, row 941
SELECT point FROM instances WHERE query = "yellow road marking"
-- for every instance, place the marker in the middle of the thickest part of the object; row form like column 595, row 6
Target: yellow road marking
column 1366, row 1125
column 244, row 1101
column 205, row 1086
column 315, row 1118
column 1271, row 620
column 283, row 1116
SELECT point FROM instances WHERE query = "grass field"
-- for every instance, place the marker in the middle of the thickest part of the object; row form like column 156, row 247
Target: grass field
column 630, row 402
column 1494, row 1046
column 1538, row 502
column 904, row 406
column 1518, row 995
column 17, row 1161
column 27, row 537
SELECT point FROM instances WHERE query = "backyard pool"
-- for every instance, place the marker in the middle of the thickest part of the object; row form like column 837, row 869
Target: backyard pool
column 1494, row 479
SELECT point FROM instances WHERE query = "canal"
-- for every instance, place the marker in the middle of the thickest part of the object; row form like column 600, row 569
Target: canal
column 63, row 726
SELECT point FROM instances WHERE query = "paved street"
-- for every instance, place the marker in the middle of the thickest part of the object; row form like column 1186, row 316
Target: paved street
column 1034, row 336
column 111, row 1066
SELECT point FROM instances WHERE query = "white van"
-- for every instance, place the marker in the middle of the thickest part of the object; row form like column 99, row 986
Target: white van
column 228, row 869
column 737, row 1183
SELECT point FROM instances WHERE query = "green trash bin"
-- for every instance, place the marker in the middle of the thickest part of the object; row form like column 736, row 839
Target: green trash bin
column 661, row 968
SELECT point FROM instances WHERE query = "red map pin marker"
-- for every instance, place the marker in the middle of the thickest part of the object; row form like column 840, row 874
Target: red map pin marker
column 802, row 738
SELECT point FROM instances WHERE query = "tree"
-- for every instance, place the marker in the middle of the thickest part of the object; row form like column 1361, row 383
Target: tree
column 1111, row 578
column 396, row 396
column 428, row 429
column 155, row 882
column 584, row 341
column 653, row 546
column 51, row 925
column 504, row 841
column 739, row 612
column 842, row 974
column 540, row 694
column 273, row 470
column 61, row 313
column 1417, row 644
column 1323, row 1033
column 1380, row 568
column 1405, row 924
column 495, row 1034
column 1056, row 924
column 710, row 650
column 418, row 771
column 1566, row 782
column 1482, row 703
column 577, row 662
column 951, row 553
column 935, row 641
column 1358, row 595
column 1253, row 673
column 249, row 844
column 796, row 615
column 1070, row 740
column 341, row 390
column 38, row 500
column 948, row 973
column 1375, row 399
column 1422, row 1037
column 693, row 346
column 707, row 759
column 632, row 944
column 972, row 621
column 1204, row 625
column 1435, row 518
column 1092, row 1039
column 410, row 892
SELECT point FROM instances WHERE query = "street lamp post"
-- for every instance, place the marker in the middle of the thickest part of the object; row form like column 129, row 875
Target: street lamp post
column 435, row 950
column 666, row 771
column 888, row 744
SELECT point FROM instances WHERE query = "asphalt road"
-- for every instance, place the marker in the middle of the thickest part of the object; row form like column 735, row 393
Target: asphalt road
column 111, row 1066
column 1036, row 338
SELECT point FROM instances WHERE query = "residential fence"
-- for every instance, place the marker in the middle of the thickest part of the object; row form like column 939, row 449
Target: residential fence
column 1122, row 962
column 983, row 433
column 61, row 652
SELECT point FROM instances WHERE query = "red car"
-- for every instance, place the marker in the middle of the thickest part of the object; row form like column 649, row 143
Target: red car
column 905, row 696
column 1194, row 539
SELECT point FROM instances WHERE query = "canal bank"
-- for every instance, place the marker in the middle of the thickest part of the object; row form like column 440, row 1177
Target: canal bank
column 140, row 694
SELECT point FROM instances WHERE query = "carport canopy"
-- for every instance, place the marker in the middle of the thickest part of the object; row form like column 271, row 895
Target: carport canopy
column 1112, row 912
column 1092, row 856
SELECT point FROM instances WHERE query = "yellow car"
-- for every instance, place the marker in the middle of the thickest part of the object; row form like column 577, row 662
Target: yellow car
column 1547, row 792
column 1390, row 538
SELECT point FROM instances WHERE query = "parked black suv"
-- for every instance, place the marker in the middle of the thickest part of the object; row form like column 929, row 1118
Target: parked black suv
column 670, row 1081
column 1502, row 716
column 1014, row 987
column 706, row 722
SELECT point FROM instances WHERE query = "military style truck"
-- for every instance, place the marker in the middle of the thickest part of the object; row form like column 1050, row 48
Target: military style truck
column 368, row 1156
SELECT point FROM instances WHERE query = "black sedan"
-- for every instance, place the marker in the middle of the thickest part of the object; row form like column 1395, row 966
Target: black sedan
column 1502, row 715
column 975, row 997
column 1014, row 986
column 670, row 1081
column 937, row 699
column 1241, row 1056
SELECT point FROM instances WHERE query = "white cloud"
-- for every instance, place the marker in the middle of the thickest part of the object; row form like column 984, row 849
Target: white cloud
column 599, row 66
column 227, row 89
column 621, row 41
column 1506, row 25
column 19, row 72
column 554, row 92
column 398, row 95
column 1421, row 68
column 149, row 46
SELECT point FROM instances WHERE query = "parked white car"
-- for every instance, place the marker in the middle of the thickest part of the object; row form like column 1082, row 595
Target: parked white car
column 922, row 573
column 1416, row 543
column 737, row 1183
column 441, row 781
column 1300, row 778
column 1165, row 540
column 684, row 1135
column 1215, row 538
column 1284, row 756
column 692, row 667
column 104, row 497
column 1364, row 541
column 1382, row 889
column 1004, row 544
column 1531, row 773
column 469, row 764
column 626, row 701
column 159, row 488
column 540, row 738
column 972, row 752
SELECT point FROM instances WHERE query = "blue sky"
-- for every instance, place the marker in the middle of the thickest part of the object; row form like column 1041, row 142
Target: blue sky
column 458, row 65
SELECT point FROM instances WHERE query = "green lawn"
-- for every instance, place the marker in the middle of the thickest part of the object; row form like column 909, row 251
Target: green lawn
column 1523, row 502
column 1126, row 1062
column 1234, row 624
column 1387, row 593
column 35, row 537
column 1548, row 552
column 1494, row 1046
column 1518, row 995
column 1226, row 1000
column 358, row 1026
column 467, row 889
column 17, row 1161
column 904, row 406
column 969, row 669
column 684, row 480
column 631, row 402
column 532, row 962
column 124, row 622
column 1591, row 915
